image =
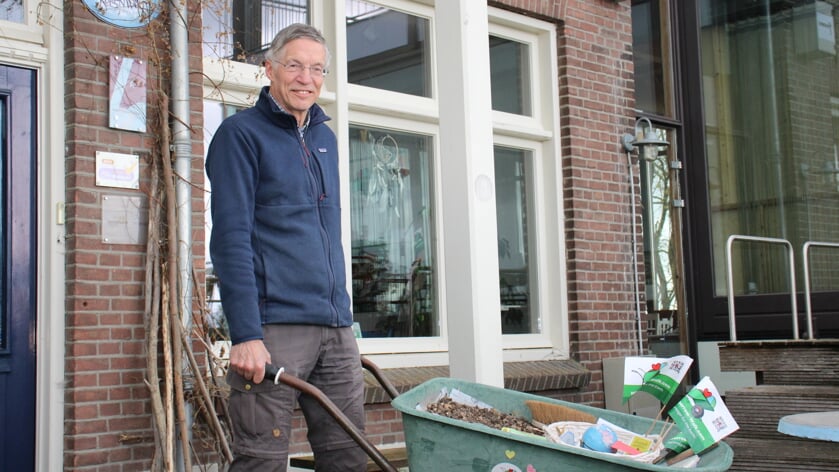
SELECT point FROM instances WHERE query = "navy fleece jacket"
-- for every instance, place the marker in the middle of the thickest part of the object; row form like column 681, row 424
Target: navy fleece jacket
column 276, row 236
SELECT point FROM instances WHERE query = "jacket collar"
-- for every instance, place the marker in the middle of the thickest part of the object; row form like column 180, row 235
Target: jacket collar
column 276, row 113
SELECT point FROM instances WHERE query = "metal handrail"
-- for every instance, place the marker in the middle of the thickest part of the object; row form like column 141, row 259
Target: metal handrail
column 730, row 273
column 807, row 295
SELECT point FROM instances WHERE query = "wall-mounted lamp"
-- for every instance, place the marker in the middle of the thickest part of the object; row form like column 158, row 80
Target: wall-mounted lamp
column 648, row 145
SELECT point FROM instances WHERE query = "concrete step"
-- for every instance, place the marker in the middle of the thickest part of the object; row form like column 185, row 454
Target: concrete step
column 757, row 409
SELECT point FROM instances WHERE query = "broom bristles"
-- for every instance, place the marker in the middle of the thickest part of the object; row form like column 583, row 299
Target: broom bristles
column 548, row 413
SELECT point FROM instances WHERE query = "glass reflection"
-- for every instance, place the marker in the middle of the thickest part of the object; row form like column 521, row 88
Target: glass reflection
column 651, row 57
column 387, row 49
column 242, row 30
column 509, row 63
column 392, row 233
column 513, row 207
column 771, row 89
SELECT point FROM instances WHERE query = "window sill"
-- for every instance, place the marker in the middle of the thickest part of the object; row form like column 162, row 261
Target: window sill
column 531, row 376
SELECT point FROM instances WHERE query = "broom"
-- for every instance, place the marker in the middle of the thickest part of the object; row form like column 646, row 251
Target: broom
column 547, row 413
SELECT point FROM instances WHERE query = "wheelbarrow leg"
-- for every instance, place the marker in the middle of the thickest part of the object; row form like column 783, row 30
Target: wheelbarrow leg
column 278, row 375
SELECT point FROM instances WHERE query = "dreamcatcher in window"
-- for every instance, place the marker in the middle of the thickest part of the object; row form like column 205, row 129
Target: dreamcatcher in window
column 385, row 187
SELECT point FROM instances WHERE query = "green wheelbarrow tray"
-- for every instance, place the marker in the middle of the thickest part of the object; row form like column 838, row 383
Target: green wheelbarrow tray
column 436, row 442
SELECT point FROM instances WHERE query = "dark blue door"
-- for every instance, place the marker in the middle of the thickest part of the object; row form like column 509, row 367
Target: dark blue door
column 17, row 259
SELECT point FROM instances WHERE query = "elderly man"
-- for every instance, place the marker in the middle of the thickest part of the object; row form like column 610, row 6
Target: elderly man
column 276, row 248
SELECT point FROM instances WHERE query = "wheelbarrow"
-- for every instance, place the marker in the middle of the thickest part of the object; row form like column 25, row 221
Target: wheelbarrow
column 434, row 442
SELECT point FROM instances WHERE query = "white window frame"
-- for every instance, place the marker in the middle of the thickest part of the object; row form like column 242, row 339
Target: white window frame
column 538, row 134
column 426, row 345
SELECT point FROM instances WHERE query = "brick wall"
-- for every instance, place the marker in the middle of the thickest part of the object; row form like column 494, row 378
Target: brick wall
column 107, row 412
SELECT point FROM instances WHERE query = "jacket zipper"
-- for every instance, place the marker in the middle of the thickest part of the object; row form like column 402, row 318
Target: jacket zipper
column 320, row 196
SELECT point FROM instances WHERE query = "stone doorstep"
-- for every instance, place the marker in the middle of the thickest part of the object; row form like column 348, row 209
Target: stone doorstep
column 783, row 454
column 532, row 376
column 758, row 409
column 789, row 362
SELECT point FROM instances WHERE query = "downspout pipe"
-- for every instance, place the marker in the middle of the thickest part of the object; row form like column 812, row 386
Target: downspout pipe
column 181, row 150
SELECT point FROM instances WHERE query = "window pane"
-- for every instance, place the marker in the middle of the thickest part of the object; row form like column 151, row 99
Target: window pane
column 769, row 75
column 660, row 227
column 11, row 10
column 509, row 64
column 392, row 233
column 387, row 49
column 243, row 30
column 512, row 188
column 651, row 54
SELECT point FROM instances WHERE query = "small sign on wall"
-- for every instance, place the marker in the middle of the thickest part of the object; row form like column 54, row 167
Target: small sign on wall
column 124, row 220
column 117, row 170
column 127, row 85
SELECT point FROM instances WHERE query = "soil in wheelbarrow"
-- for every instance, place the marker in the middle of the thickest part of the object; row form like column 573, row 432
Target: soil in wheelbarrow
column 485, row 416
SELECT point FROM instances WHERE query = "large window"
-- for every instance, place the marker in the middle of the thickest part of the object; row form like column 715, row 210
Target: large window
column 383, row 101
column 769, row 83
column 393, row 253
column 525, row 159
column 388, row 49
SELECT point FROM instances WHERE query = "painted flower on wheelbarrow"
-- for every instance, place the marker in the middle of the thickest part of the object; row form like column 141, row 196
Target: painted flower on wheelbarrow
column 702, row 400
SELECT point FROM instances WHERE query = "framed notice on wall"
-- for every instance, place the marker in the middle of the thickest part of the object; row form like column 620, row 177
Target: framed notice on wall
column 117, row 170
column 127, row 85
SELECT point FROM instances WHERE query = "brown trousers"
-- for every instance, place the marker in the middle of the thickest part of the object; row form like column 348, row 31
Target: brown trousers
column 328, row 358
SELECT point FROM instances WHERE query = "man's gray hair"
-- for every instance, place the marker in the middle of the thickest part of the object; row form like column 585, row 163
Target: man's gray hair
column 289, row 34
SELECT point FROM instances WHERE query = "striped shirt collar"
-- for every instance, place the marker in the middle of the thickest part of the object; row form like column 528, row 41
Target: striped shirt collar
column 300, row 129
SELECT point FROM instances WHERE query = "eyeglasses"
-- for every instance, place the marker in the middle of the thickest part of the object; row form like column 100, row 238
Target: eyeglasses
column 298, row 68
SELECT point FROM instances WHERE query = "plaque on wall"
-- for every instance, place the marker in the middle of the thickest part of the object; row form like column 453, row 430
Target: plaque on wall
column 124, row 220
column 124, row 13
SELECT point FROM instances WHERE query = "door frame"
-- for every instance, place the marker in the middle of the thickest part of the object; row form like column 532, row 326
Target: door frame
column 38, row 43
column 51, row 240
column 20, row 95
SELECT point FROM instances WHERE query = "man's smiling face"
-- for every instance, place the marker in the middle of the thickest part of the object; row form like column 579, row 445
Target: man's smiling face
column 297, row 91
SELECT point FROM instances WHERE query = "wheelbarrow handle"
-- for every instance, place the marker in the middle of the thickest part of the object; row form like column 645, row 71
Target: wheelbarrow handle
column 279, row 375
column 377, row 373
